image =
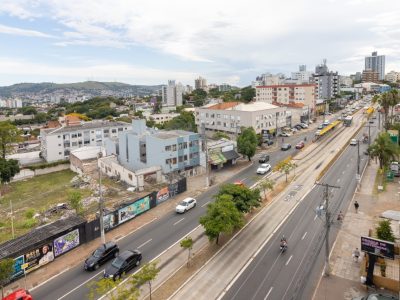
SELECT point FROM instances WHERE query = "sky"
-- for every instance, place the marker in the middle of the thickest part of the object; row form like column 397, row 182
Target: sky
column 149, row 42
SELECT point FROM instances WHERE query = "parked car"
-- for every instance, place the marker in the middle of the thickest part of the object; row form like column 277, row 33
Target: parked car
column 317, row 132
column 300, row 145
column 20, row 294
column 125, row 262
column 376, row 297
column 268, row 142
column 185, row 205
column 263, row 158
column 294, row 130
column 101, row 255
column 320, row 126
column 298, row 127
column 303, row 125
column 353, row 142
column 374, row 117
column 285, row 147
column 285, row 134
column 263, row 169
column 371, row 121
column 326, row 123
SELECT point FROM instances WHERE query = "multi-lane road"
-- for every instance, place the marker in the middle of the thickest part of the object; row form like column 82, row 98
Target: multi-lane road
column 154, row 238
column 293, row 274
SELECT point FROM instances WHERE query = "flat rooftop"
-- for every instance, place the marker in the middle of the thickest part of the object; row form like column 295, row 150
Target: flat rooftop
column 84, row 126
column 240, row 106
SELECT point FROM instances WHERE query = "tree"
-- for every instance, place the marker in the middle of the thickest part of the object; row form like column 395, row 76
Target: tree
column 147, row 274
column 114, row 289
column 247, row 142
column 9, row 134
column 75, row 200
column 185, row 121
column 187, row 243
column 220, row 135
column 222, row 217
column 384, row 231
column 28, row 110
column 214, row 93
column 245, row 199
column 267, row 185
column 383, row 149
column 8, row 169
column 285, row 167
column 41, row 117
column 248, row 93
column 6, row 270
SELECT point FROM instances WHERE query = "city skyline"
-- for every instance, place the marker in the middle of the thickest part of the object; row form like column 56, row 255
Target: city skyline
column 150, row 42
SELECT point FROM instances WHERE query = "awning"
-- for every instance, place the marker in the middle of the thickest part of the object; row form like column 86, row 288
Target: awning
column 232, row 154
column 216, row 158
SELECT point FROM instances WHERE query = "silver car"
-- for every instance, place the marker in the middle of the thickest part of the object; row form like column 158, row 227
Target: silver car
column 185, row 205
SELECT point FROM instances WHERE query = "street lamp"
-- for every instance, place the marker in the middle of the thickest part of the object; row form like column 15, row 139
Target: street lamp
column 101, row 204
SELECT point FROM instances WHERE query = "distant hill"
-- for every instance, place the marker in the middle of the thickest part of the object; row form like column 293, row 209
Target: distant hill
column 87, row 86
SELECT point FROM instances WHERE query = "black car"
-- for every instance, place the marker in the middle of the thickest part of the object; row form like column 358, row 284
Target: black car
column 268, row 142
column 285, row 147
column 101, row 255
column 126, row 261
column 371, row 121
column 298, row 127
column 263, row 158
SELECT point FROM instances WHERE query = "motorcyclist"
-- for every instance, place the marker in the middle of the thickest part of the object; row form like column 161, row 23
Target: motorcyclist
column 283, row 242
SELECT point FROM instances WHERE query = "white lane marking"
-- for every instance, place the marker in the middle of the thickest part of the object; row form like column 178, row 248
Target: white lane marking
column 179, row 221
column 205, row 203
column 77, row 287
column 269, row 292
column 315, row 217
column 290, row 258
column 338, row 180
column 304, row 235
column 144, row 243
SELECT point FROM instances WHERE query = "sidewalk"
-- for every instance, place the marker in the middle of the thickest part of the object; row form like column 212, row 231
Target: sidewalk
column 196, row 186
column 344, row 281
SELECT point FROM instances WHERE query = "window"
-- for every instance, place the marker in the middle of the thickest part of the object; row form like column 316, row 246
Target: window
column 168, row 148
column 130, row 176
column 174, row 161
column 59, row 145
column 74, row 135
column 74, row 144
column 185, row 157
column 174, row 147
column 114, row 130
column 79, row 134
column 59, row 136
column 106, row 130
column 120, row 129
column 180, row 159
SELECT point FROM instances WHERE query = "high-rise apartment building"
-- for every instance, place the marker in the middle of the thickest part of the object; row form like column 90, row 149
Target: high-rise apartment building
column 327, row 82
column 370, row 75
column 302, row 75
column 200, row 83
column 172, row 94
column 376, row 63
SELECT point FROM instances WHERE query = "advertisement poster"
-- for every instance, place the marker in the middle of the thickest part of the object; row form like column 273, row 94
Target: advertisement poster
column 134, row 209
column 39, row 257
column 377, row 247
column 163, row 195
column 18, row 271
column 66, row 242
column 110, row 221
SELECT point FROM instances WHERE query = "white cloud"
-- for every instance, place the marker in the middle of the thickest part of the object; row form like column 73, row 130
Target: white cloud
column 248, row 35
column 23, row 32
column 35, row 72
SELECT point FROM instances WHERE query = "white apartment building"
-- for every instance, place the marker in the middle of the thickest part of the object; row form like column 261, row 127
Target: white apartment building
column 172, row 94
column 392, row 76
column 161, row 118
column 229, row 117
column 268, row 79
column 287, row 94
column 11, row 103
column 302, row 75
column 57, row 143
column 345, row 81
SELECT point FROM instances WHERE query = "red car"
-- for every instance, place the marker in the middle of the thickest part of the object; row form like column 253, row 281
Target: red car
column 20, row 294
column 300, row 145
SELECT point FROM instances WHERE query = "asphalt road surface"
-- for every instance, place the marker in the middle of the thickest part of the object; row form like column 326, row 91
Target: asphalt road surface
column 155, row 237
column 294, row 273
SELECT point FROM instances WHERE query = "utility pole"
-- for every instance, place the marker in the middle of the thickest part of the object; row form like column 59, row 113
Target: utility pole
column 101, row 204
column 203, row 131
column 358, row 158
column 327, row 223
column 12, row 220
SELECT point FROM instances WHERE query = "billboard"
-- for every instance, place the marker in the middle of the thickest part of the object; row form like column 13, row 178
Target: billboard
column 132, row 210
column 377, row 247
column 66, row 242
column 163, row 195
column 18, row 270
column 38, row 257
column 110, row 221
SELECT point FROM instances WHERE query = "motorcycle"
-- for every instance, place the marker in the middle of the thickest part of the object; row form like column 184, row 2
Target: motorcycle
column 283, row 246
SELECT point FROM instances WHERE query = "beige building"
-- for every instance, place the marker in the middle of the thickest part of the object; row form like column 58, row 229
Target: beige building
column 162, row 118
column 229, row 117
column 370, row 76
column 392, row 76
column 302, row 94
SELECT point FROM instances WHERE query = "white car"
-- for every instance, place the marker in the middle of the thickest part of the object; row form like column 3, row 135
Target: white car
column 353, row 142
column 285, row 134
column 185, row 205
column 263, row 169
column 303, row 125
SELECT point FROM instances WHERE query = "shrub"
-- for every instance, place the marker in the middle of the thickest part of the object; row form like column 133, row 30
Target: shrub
column 29, row 213
column 384, row 231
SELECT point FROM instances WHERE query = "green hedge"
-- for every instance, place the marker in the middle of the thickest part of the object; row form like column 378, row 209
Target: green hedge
column 48, row 165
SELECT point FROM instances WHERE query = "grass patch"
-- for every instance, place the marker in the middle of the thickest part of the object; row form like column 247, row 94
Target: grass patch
column 34, row 195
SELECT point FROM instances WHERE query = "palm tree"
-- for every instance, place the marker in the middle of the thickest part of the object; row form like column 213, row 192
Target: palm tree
column 384, row 149
column 267, row 185
column 394, row 100
column 385, row 101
